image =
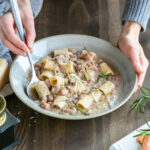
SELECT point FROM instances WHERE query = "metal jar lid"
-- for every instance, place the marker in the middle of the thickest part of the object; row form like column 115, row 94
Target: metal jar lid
column 2, row 110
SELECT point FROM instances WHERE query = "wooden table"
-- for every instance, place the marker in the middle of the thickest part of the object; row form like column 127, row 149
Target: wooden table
column 100, row 18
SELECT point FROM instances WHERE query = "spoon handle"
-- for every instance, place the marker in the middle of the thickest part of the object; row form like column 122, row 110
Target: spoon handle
column 16, row 14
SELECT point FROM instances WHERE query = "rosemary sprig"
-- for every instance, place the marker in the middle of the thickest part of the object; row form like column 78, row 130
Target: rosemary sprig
column 143, row 132
column 105, row 76
column 81, row 110
column 140, row 103
column 148, row 90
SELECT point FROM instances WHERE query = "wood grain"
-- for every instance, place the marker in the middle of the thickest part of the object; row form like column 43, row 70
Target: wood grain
column 100, row 18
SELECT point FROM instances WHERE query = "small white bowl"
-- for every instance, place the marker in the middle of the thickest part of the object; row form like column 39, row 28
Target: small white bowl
column 102, row 48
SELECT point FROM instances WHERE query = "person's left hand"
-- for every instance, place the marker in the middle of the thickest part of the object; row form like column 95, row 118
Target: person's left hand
column 130, row 46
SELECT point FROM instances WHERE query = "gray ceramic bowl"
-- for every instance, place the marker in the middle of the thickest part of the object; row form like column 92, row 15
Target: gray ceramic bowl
column 102, row 48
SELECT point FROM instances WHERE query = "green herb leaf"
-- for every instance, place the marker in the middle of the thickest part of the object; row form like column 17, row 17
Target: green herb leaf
column 142, row 133
column 105, row 76
column 147, row 121
column 144, row 130
column 84, row 48
column 147, row 89
column 66, row 100
column 81, row 110
column 94, row 87
column 85, row 78
column 143, row 140
column 78, row 94
column 142, row 91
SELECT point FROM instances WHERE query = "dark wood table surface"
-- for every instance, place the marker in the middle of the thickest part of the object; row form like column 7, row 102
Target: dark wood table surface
column 100, row 18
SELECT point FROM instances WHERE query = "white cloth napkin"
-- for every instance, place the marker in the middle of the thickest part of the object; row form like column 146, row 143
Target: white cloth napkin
column 6, row 90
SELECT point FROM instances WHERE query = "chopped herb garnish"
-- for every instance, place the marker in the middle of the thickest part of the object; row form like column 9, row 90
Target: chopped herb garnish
column 78, row 94
column 94, row 87
column 85, row 78
column 81, row 110
column 105, row 76
column 140, row 103
column 84, row 48
column 66, row 100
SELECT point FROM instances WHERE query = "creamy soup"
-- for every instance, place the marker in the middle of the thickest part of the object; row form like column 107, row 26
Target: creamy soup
column 76, row 82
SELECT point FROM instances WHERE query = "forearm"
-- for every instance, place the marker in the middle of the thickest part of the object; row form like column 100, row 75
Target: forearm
column 131, row 28
column 25, row 9
column 138, row 11
column 36, row 5
column 23, row 3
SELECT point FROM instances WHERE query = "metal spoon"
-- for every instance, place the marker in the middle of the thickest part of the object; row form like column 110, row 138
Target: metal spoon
column 16, row 14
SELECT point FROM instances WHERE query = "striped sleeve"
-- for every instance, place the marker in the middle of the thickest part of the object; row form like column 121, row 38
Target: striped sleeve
column 35, row 4
column 138, row 11
column 4, row 6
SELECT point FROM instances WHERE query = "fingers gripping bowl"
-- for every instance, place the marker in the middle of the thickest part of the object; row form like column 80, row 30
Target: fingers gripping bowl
column 102, row 48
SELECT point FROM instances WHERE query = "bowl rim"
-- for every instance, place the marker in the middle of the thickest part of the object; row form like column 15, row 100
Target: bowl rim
column 71, row 117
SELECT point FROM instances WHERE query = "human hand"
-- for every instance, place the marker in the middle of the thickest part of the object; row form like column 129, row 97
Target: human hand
column 130, row 46
column 8, row 29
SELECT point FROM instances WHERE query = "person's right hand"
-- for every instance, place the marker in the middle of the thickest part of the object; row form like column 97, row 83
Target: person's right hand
column 8, row 29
